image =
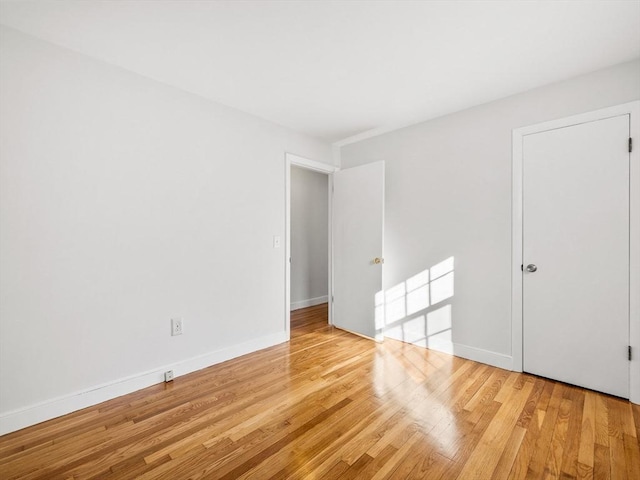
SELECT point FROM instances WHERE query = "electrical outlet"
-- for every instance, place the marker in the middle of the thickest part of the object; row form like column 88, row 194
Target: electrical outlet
column 176, row 326
column 168, row 376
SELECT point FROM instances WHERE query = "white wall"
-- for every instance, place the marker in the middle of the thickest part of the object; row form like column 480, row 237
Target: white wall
column 448, row 193
column 124, row 203
column 309, row 237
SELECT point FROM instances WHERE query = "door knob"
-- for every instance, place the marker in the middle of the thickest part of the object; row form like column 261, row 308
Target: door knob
column 378, row 260
column 531, row 268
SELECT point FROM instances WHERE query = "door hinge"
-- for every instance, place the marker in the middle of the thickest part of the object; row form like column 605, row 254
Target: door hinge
column 630, row 144
column 629, row 352
column 522, row 268
column 331, row 298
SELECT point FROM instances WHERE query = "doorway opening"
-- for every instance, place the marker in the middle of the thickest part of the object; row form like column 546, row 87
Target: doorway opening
column 308, row 258
column 309, row 238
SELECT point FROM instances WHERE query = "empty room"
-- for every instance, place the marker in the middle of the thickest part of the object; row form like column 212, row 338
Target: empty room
column 354, row 239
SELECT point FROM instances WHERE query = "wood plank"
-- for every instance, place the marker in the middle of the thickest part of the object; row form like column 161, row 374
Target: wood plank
column 617, row 459
column 588, row 433
column 601, row 462
column 388, row 468
column 543, row 443
column 508, row 456
column 487, row 454
column 552, row 467
column 602, row 420
column 377, row 463
column 527, row 447
column 632, row 456
column 618, row 455
column 569, row 467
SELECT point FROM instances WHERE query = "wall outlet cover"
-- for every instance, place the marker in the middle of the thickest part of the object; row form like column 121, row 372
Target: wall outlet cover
column 176, row 326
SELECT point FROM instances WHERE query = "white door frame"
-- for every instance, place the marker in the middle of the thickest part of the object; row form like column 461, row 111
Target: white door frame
column 633, row 110
column 298, row 161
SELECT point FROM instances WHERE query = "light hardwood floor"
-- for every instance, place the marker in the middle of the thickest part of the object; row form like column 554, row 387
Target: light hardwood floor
column 331, row 405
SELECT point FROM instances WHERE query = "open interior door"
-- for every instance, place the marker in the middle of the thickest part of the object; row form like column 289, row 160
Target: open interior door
column 358, row 225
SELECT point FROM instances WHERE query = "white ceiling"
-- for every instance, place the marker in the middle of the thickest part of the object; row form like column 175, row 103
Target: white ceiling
column 336, row 69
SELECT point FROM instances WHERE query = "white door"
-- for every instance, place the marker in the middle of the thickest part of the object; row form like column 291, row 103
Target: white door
column 358, row 216
column 576, row 254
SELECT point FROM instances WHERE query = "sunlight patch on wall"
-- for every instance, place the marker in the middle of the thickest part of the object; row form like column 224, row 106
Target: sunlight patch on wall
column 441, row 268
column 417, row 292
column 442, row 288
column 395, row 303
column 405, row 310
column 439, row 323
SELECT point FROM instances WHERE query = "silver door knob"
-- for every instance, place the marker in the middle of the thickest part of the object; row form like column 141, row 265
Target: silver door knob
column 531, row 268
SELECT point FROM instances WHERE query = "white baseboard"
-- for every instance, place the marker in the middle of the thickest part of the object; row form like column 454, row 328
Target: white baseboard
column 472, row 353
column 309, row 303
column 465, row 351
column 17, row 419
